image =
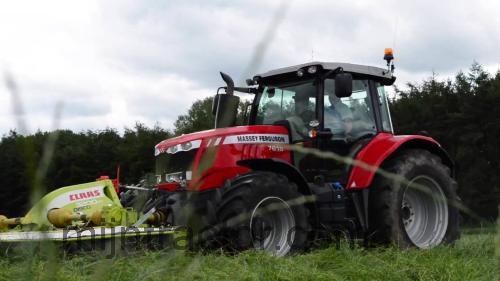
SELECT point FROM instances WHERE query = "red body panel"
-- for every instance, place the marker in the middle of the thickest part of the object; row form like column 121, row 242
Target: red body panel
column 220, row 149
column 373, row 154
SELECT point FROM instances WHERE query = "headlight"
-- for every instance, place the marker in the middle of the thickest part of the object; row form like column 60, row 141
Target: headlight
column 172, row 149
column 181, row 178
column 186, row 146
column 174, row 177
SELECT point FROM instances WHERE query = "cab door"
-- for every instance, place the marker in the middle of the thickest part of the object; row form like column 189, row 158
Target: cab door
column 347, row 124
column 293, row 105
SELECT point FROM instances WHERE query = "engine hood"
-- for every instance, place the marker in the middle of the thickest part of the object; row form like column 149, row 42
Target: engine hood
column 254, row 134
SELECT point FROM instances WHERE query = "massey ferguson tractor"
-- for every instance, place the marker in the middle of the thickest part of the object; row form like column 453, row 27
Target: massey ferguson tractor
column 270, row 184
column 315, row 156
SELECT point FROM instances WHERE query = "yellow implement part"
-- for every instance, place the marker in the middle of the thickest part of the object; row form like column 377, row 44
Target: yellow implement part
column 6, row 222
column 63, row 217
column 96, row 218
column 157, row 218
column 108, row 216
column 114, row 215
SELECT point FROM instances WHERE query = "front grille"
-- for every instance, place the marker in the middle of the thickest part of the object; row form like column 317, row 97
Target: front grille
column 167, row 163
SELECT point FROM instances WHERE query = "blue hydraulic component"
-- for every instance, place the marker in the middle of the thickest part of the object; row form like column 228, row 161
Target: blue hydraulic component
column 337, row 186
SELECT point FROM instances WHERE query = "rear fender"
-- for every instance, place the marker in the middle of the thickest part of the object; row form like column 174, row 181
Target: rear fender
column 383, row 147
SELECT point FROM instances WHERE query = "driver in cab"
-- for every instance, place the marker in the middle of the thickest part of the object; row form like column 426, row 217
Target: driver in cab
column 338, row 117
column 301, row 117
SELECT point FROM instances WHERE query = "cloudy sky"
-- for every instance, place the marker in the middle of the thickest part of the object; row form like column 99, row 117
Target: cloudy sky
column 112, row 63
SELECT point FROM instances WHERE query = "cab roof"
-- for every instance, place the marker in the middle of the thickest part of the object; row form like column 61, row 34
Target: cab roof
column 376, row 72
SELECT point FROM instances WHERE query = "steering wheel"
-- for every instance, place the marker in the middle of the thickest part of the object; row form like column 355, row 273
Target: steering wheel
column 298, row 126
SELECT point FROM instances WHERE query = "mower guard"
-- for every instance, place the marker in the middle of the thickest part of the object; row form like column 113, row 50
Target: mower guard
column 92, row 233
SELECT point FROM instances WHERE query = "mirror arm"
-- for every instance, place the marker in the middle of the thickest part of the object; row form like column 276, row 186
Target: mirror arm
column 241, row 89
column 246, row 90
column 330, row 72
column 220, row 88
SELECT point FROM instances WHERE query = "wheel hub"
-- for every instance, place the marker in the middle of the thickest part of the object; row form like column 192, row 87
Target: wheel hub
column 424, row 212
column 407, row 213
column 272, row 225
column 261, row 228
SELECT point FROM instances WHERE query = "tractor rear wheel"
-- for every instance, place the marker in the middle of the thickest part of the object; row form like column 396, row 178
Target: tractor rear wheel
column 263, row 210
column 417, row 207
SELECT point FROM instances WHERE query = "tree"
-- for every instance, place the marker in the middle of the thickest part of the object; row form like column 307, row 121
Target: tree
column 136, row 152
column 198, row 118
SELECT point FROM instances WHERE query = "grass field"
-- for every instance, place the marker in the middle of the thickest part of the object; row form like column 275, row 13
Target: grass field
column 476, row 256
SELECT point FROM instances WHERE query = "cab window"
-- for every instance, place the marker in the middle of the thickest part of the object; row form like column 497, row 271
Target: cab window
column 350, row 117
column 384, row 109
column 295, row 103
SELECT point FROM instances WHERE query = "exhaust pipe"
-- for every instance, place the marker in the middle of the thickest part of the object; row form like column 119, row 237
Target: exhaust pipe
column 229, row 82
column 225, row 106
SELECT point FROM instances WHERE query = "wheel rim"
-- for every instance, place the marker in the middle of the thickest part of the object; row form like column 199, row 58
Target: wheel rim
column 424, row 212
column 271, row 226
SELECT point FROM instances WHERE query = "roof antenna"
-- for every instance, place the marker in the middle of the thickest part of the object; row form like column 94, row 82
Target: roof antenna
column 395, row 35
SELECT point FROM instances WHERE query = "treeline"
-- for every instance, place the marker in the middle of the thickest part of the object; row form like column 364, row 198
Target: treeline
column 76, row 158
column 462, row 114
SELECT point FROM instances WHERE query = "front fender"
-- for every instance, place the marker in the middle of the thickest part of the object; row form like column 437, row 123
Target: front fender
column 281, row 167
column 382, row 147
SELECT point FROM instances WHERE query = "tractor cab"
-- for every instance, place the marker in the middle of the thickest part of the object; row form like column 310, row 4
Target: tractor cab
column 341, row 107
column 335, row 107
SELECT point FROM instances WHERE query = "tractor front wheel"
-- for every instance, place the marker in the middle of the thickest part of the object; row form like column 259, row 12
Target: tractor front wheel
column 417, row 205
column 263, row 210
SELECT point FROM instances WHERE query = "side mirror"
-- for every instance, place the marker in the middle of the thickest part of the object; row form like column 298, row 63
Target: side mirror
column 226, row 109
column 343, row 85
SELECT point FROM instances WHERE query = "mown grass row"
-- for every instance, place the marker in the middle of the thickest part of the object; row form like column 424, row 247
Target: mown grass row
column 475, row 256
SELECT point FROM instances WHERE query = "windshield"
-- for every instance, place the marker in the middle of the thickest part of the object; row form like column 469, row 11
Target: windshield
column 281, row 103
column 294, row 103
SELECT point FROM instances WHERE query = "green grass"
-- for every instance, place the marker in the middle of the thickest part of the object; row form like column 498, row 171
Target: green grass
column 474, row 257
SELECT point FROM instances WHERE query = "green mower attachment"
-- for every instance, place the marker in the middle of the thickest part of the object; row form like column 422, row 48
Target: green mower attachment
column 86, row 212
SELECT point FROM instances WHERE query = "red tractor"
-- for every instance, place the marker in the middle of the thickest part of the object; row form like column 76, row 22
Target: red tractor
column 317, row 154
